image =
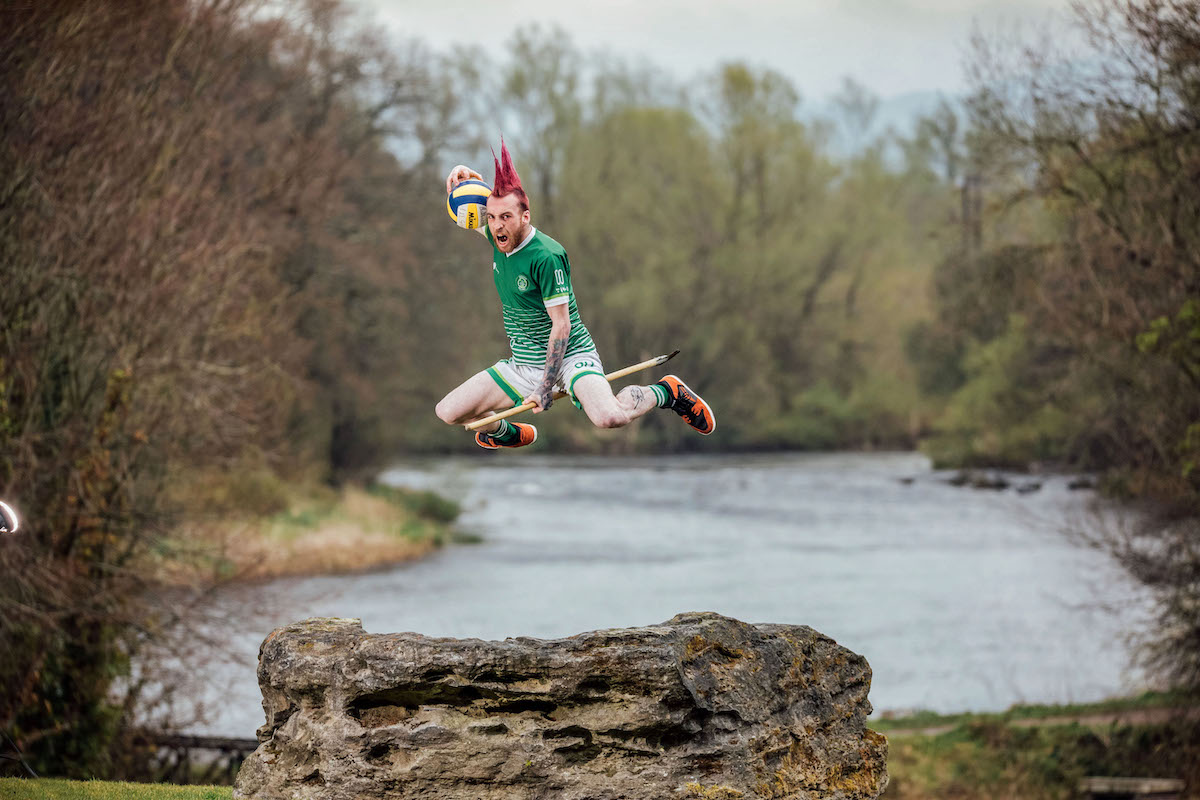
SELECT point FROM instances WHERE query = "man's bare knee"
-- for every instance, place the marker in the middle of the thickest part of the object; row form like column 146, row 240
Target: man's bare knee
column 446, row 414
column 612, row 419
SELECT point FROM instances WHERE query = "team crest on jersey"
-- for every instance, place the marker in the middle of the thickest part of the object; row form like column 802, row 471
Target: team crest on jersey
column 522, row 283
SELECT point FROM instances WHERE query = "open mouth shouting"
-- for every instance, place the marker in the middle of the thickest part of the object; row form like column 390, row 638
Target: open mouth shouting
column 508, row 219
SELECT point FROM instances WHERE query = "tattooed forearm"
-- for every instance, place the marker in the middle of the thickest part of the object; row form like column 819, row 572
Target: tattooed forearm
column 637, row 396
column 554, row 364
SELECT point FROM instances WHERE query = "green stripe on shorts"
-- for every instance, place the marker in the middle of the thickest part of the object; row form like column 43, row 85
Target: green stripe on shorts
column 512, row 393
column 571, row 388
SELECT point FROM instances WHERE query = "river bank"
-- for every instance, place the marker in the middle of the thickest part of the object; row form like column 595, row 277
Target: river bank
column 1043, row 752
column 312, row 530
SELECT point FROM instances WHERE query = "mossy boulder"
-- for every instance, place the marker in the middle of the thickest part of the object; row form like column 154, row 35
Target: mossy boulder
column 699, row 706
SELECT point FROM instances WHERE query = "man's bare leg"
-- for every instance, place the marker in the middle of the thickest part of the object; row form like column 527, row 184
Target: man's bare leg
column 607, row 410
column 476, row 398
column 479, row 396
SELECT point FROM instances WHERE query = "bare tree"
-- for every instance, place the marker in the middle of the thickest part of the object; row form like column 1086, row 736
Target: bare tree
column 1108, row 142
column 166, row 167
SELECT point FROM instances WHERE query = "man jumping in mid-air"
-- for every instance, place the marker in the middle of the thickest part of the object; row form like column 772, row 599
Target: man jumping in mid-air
column 551, row 348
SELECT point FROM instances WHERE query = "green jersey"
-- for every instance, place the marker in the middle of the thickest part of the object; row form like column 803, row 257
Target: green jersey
column 532, row 278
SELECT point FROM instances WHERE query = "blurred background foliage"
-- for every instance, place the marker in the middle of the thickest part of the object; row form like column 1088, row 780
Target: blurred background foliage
column 225, row 250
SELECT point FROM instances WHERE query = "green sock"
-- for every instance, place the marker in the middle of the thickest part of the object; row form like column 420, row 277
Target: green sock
column 506, row 433
column 662, row 395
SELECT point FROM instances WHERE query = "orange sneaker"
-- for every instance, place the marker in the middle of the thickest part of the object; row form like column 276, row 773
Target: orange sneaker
column 527, row 435
column 689, row 405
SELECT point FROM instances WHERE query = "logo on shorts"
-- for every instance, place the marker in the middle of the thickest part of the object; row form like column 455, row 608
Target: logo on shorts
column 522, row 283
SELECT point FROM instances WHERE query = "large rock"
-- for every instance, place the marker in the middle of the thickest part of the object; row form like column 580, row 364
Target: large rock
column 701, row 706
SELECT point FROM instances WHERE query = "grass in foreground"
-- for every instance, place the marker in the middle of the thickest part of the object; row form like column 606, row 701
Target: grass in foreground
column 1003, row 756
column 54, row 789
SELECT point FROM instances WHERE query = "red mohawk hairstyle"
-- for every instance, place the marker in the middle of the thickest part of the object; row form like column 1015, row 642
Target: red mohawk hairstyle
column 507, row 180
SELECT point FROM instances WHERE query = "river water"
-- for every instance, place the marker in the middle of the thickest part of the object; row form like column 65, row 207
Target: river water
column 960, row 599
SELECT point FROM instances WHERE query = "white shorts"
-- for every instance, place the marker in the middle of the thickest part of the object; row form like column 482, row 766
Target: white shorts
column 520, row 380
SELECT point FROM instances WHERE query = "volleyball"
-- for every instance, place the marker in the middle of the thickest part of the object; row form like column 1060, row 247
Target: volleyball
column 467, row 203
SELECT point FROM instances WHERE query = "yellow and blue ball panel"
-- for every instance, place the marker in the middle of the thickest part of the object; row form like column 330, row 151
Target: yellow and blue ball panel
column 467, row 203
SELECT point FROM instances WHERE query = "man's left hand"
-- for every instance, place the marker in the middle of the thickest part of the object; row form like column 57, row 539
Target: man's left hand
column 542, row 399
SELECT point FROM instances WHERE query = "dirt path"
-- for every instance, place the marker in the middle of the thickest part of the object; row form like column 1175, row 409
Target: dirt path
column 1134, row 716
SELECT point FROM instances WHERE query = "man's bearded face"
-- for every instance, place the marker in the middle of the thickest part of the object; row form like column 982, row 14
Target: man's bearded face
column 508, row 221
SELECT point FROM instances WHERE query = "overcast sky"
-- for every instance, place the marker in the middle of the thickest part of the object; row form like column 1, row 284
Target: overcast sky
column 891, row 46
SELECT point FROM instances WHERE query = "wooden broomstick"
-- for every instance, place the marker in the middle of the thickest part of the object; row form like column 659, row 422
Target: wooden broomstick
column 612, row 376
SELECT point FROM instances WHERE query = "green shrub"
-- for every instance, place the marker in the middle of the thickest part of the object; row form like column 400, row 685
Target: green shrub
column 425, row 504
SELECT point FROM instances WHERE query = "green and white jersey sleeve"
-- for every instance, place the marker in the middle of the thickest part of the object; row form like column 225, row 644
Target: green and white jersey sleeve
column 534, row 277
column 553, row 277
